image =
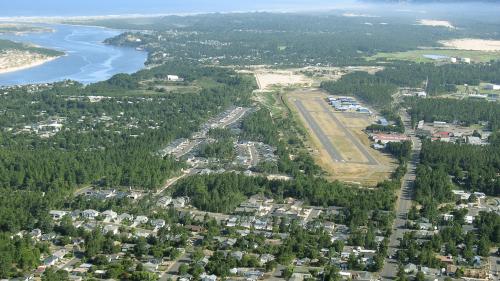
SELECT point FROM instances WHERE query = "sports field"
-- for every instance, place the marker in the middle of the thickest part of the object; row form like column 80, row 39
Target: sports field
column 337, row 140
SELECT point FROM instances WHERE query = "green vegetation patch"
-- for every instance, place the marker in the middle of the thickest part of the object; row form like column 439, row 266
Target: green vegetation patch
column 11, row 45
column 420, row 55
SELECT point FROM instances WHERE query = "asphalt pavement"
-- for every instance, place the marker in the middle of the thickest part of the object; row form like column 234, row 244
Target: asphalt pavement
column 403, row 205
column 354, row 140
column 323, row 138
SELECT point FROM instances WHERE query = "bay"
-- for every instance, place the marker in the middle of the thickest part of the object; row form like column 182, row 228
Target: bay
column 87, row 58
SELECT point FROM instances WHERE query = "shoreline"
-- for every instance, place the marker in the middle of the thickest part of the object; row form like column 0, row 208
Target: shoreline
column 28, row 66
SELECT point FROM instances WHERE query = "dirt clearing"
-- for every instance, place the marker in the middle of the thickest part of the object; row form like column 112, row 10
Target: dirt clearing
column 268, row 78
column 473, row 44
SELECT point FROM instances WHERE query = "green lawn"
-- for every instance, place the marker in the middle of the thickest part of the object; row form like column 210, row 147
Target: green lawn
column 418, row 55
column 462, row 88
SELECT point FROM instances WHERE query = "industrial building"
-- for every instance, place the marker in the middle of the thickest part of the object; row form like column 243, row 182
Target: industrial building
column 492, row 87
column 387, row 138
column 347, row 104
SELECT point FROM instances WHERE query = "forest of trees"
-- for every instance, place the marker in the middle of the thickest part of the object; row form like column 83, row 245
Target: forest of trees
column 11, row 45
column 110, row 143
column 466, row 112
column 400, row 150
column 378, row 89
column 261, row 127
column 267, row 38
column 23, row 252
column 222, row 147
column 473, row 168
column 224, row 192
column 369, row 88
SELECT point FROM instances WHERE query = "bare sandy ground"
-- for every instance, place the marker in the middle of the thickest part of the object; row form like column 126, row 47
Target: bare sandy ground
column 268, row 78
column 473, row 44
column 442, row 23
column 15, row 60
column 22, row 28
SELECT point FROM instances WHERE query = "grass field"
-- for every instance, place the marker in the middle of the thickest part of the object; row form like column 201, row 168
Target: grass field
column 480, row 89
column 418, row 55
column 357, row 162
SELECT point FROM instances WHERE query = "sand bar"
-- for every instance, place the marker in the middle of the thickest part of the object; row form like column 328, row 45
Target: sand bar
column 15, row 60
column 442, row 23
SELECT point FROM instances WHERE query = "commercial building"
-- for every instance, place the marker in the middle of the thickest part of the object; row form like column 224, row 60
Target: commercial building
column 492, row 87
column 387, row 138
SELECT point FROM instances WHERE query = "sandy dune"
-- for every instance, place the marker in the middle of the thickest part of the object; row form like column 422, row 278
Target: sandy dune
column 441, row 23
column 473, row 44
column 15, row 60
column 268, row 78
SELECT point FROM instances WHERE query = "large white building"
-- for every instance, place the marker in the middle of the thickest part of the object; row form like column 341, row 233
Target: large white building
column 492, row 87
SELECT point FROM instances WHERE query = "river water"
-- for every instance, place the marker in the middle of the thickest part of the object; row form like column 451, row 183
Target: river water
column 87, row 58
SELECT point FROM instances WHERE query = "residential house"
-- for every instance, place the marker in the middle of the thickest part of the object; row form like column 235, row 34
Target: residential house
column 297, row 276
column 125, row 217
column 425, row 226
column 410, row 268
column 265, row 258
column 345, row 275
column 329, row 226
column 158, row 223
column 469, row 219
column 448, row 217
column 36, row 233
column 60, row 253
column 90, row 214
column 109, row 215
column 113, row 229
column 151, row 267
column 48, row 237
column 179, row 202
column 232, row 222
column 253, row 275
column 50, row 261
column 56, row 214
column 164, row 202
column 238, row 255
column 206, row 277
column 141, row 220
column 365, row 276
column 127, row 247
column 75, row 214
column 133, row 195
column 446, row 259
column 462, row 195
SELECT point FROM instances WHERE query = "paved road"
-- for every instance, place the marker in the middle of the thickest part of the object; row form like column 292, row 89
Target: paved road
column 171, row 181
column 254, row 155
column 403, row 205
column 354, row 140
column 494, row 266
column 173, row 269
column 237, row 114
column 323, row 138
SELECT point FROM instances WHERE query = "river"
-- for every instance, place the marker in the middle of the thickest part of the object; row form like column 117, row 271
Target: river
column 87, row 58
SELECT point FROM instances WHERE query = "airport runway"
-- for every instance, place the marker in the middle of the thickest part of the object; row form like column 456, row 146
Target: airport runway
column 354, row 140
column 323, row 138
